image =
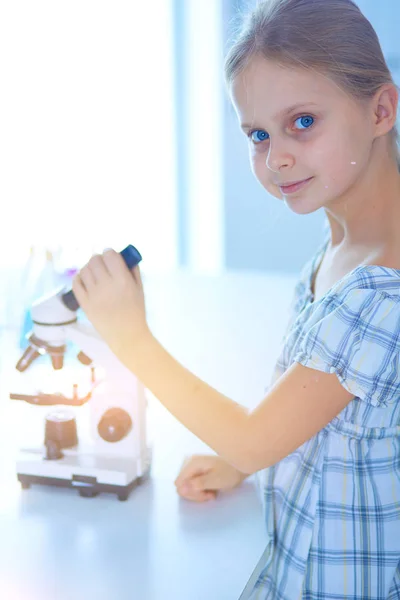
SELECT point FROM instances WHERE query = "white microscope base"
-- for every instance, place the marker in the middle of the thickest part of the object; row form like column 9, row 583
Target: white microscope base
column 90, row 474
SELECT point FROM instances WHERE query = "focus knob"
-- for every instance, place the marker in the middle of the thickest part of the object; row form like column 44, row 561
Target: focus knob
column 114, row 425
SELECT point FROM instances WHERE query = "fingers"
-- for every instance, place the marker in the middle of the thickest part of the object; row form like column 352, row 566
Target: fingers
column 98, row 267
column 203, row 496
column 193, row 466
column 137, row 276
column 203, row 476
column 197, row 482
column 194, row 490
column 114, row 262
column 93, row 272
column 203, row 482
column 105, row 266
column 78, row 288
column 87, row 277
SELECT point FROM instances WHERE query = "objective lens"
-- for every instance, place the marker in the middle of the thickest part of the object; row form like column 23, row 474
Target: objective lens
column 27, row 358
column 57, row 360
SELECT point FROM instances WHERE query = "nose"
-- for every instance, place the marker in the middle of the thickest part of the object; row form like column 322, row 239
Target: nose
column 278, row 157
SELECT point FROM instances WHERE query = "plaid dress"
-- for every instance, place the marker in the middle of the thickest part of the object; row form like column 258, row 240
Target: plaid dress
column 332, row 507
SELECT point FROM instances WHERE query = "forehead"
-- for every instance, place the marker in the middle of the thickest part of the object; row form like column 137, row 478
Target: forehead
column 264, row 88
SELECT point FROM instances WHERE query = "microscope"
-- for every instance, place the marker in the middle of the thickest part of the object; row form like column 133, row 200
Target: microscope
column 115, row 456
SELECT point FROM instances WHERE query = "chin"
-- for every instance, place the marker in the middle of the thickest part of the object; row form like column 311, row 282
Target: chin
column 302, row 205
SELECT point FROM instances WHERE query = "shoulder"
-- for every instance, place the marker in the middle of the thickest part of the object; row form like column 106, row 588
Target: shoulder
column 366, row 298
column 375, row 281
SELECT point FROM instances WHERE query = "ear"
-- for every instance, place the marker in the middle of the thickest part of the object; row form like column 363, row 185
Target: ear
column 385, row 109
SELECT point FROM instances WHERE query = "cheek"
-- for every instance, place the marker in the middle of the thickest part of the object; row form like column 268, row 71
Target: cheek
column 332, row 166
column 341, row 159
column 258, row 165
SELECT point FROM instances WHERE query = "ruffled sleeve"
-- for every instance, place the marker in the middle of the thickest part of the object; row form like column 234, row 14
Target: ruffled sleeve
column 356, row 336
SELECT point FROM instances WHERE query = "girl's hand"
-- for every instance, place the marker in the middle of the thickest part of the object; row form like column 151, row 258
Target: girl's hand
column 113, row 300
column 201, row 477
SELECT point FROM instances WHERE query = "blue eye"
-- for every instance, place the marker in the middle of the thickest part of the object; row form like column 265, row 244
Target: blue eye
column 305, row 122
column 258, row 135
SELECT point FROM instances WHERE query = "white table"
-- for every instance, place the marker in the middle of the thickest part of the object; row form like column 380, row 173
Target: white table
column 55, row 545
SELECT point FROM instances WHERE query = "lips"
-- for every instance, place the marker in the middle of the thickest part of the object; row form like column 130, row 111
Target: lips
column 294, row 186
column 288, row 183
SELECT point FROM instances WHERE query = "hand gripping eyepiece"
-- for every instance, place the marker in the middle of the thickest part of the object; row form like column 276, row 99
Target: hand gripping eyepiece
column 131, row 256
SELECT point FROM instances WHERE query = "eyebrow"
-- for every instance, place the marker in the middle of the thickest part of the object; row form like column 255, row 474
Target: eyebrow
column 284, row 112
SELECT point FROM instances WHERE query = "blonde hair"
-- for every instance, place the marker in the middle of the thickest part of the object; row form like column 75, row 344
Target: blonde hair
column 331, row 36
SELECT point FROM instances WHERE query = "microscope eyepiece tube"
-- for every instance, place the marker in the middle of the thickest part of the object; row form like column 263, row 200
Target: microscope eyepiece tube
column 131, row 256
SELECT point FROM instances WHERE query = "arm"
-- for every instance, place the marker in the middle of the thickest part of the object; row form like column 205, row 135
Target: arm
column 300, row 404
column 211, row 416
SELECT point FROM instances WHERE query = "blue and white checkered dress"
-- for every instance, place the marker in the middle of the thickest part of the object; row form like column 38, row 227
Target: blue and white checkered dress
column 332, row 507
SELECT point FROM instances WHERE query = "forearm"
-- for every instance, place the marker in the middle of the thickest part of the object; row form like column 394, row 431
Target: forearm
column 218, row 421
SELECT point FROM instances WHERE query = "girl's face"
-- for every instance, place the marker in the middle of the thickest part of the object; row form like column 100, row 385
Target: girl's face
column 302, row 128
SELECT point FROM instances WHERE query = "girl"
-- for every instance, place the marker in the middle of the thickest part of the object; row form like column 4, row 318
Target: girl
column 316, row 100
